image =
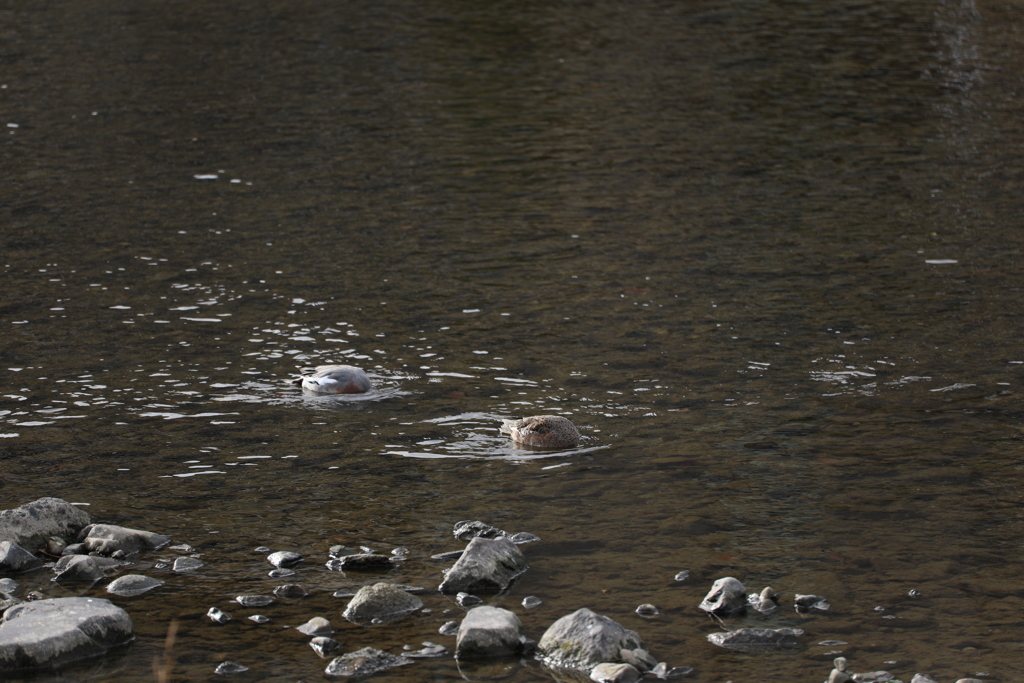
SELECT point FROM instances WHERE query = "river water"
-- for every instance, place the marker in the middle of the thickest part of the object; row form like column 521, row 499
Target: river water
column 763, row 254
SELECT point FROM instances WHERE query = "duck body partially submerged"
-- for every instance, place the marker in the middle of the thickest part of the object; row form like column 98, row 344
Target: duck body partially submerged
column 334, row 379
column 544, row 431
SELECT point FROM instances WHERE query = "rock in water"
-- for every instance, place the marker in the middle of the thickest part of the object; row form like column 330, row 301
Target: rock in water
column 32, row 525
column 726, row 597
column 106, row 539
column 324, row 646
column 584, row 639
column 755, row 640
column 80, row 568
column 132, row 584
column 317, row 626
column 486, row 566
column 489, row 632
column 364, row 662
column 55, row 632
column 382, row 601
column 608, row 672
column 284, row 559
column 228, row 668
column 14, row 559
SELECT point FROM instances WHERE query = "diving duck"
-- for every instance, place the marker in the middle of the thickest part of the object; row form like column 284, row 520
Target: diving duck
column 546, row 431
column 334, row 379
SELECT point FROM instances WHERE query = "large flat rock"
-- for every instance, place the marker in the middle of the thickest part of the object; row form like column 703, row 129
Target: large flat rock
column 48, row 634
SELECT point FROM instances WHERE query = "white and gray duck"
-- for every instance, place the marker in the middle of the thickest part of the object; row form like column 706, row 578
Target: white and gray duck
column 544, row 431
column 334, row 379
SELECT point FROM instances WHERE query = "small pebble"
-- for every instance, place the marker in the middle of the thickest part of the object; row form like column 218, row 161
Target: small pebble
column 467, row 600
column 337, row 551
column 400, row 553
column 449, row 628
column 186, row 564
column 914, row 593
column 683, row 575
column 8, row 586
column 450, row 555
column 531, row 601
column 284, row 559
column 291, row 591
column 263, row 550
column 218, row 616
column 259, row 618
column 228, row 668
column 324, row 646
column 523, row 537
column 647, row 610
column 183, row 548
column 253, row 600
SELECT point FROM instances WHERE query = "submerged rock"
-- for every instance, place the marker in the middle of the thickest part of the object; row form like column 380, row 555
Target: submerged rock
column 14, row 559
column 218, row 615
column 291, row 591
column 54, row 632
column 811, row 603
column 363, row 562
column 364, row 662
column 489, row 632
column 107, row 539
column 428, row 651
column 467, row 530
column 647, row 610
column 382, row 601
column 133, row 584
column 726, row 597
column 228, row 668
column 32, row 525
column 467, row 600
column 487, row 565
column 754, row 640
column 584, row 639
column 254, row 600
column 607, row 672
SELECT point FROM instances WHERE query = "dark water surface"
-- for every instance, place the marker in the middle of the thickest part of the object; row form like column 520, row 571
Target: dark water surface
column 764, row 254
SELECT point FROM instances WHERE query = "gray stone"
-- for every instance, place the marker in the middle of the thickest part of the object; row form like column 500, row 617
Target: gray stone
column 284, row 559
column 259, row 619
column 186, row 564
column 727, row 596
column 489, row 632
column 364, row 662
column 107, row 539
column 324, row 646
column 54, row 632
column 290, row 591
column 608, row 672
column 922, row 678
column 765, row 601
column 254, row 600
column 757, row 639
column 486, row 565
column 640, row 658
column 970, row 680
column 132, row 584
column 14, row 559
column 33, row 525
column 466, row 530
column 873, row 677
column 382, row 601
column 317, row 626
column 467, row 600
column 8, row 586
column 839, row 674
column 584, row 639
column 80, row 568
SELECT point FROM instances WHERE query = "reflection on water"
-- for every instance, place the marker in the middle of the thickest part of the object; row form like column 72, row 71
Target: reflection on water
column 764, row 255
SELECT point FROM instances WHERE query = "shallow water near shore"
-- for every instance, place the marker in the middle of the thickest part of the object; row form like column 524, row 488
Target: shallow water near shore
column 764, row 255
